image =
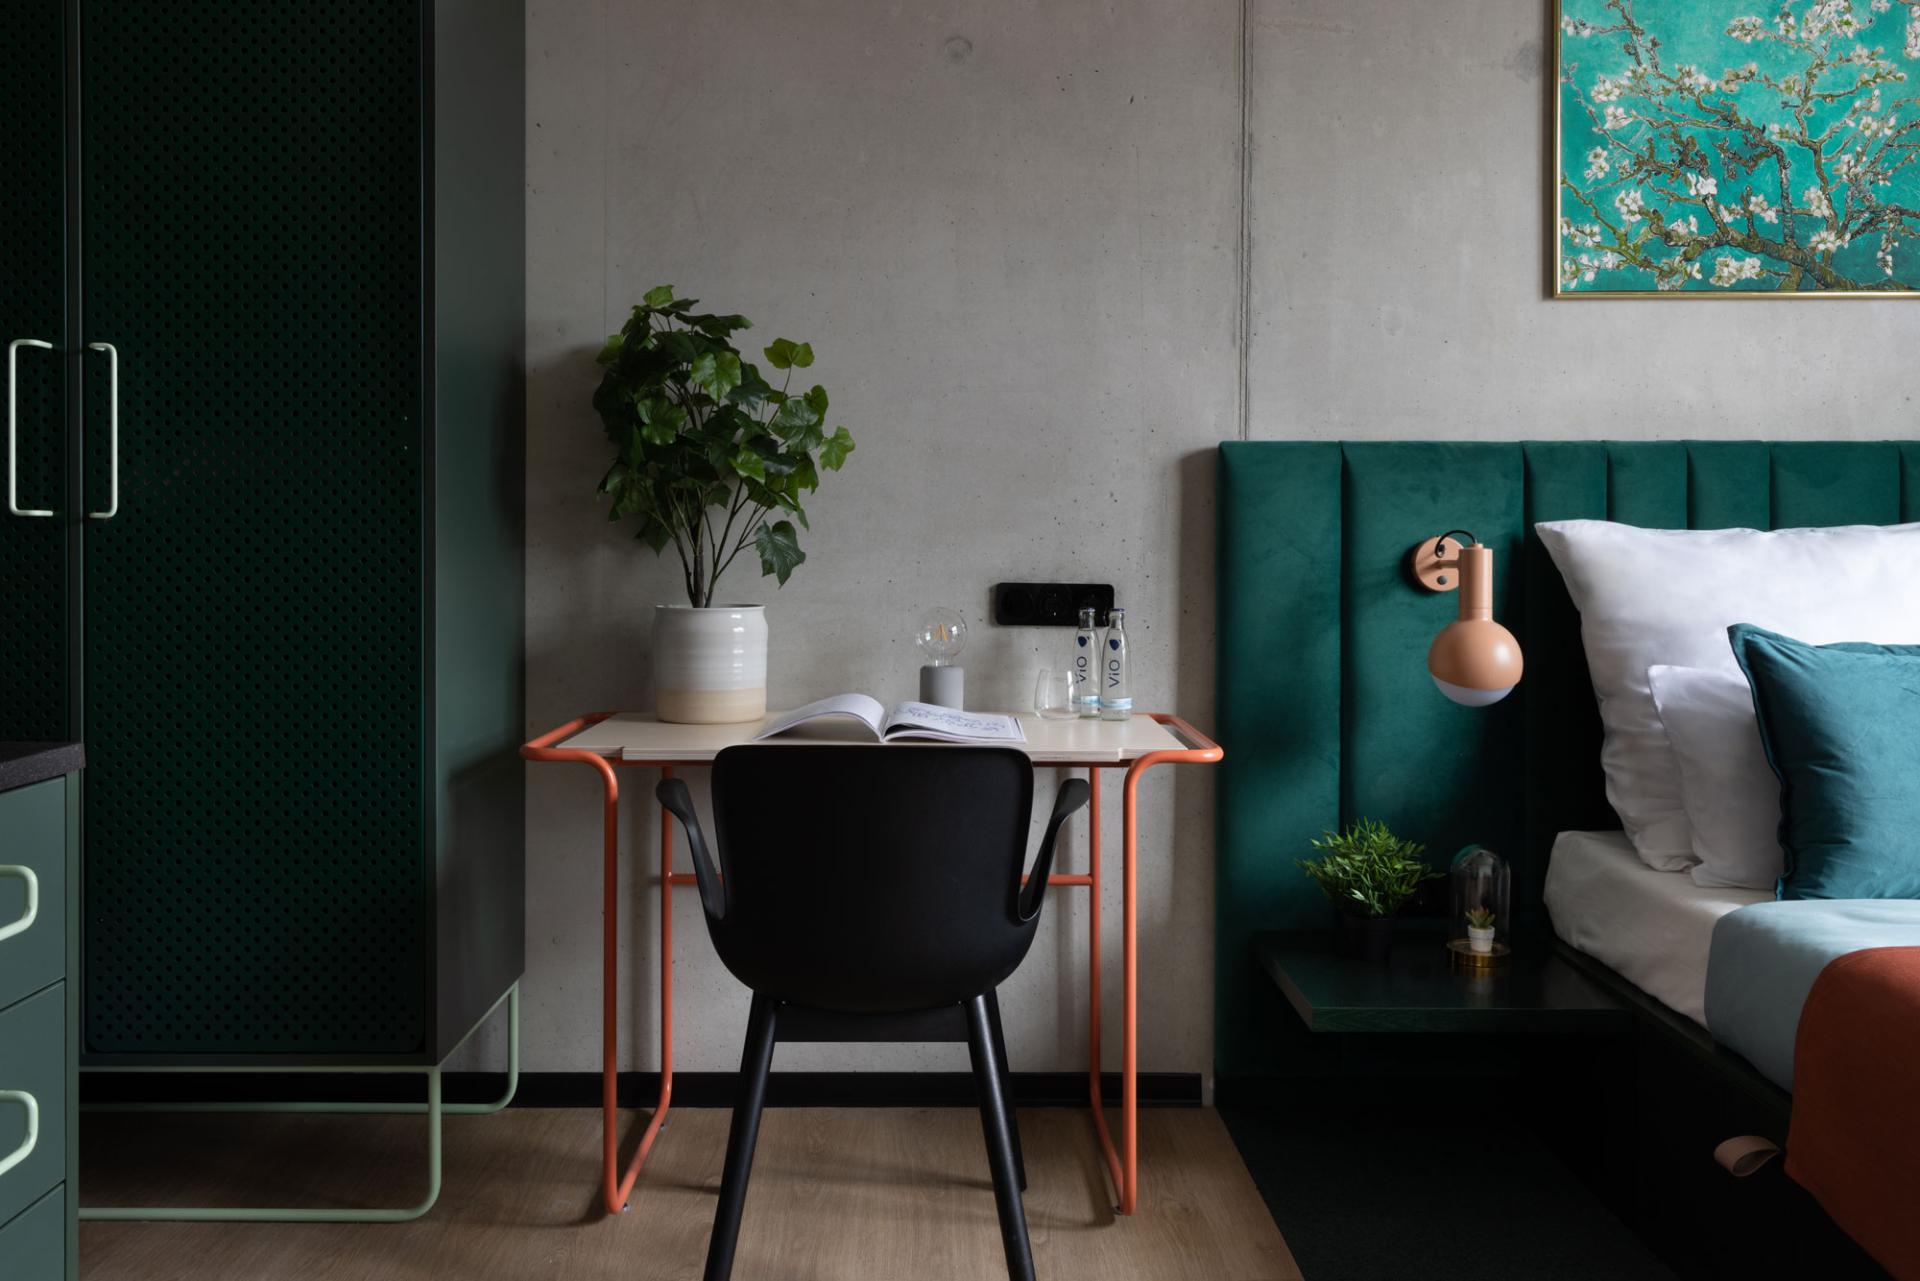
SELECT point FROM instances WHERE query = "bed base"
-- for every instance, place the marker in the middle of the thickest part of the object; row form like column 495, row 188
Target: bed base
column 1687, row 1094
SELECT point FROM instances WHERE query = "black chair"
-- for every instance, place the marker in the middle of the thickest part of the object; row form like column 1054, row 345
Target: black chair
column 872, row 894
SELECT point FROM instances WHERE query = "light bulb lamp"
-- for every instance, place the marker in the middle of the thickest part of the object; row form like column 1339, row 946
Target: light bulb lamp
column 1474, row 660
column 941, row 635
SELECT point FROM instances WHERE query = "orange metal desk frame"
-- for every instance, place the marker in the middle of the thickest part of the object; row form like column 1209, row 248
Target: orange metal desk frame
column 1122, row 1164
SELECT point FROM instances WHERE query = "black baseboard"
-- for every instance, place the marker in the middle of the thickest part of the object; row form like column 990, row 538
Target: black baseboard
column 636, row 1089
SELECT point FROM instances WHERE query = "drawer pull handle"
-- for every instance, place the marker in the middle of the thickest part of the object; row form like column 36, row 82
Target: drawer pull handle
column 25, row 1150
column 33, row 900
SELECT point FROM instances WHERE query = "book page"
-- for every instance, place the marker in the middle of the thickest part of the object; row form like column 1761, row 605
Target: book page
column 925, row 720
column 857, row 706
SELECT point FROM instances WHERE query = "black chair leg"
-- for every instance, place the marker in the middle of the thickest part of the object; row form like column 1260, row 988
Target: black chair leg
column 756, row 1059
column 1006, row 1084
column 993, row 1122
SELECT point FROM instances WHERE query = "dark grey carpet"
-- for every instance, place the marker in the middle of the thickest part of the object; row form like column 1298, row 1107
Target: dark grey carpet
column 1399, row 1197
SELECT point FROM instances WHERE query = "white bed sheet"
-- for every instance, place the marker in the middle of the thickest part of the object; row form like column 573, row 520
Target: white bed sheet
column 1653, row 928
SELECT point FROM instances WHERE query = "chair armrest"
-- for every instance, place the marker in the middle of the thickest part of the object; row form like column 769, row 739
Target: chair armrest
column 1072, row 795
column 678, row 801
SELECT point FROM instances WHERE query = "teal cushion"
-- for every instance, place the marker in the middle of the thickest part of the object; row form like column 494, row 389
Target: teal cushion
column 1841, row 728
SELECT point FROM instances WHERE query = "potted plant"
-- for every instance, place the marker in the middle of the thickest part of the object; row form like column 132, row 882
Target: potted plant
column 1480, row 924
column 1368, row 874
column 710, row 459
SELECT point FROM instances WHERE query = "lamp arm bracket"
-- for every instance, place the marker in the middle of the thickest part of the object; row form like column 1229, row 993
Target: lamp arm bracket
column 1435, row 563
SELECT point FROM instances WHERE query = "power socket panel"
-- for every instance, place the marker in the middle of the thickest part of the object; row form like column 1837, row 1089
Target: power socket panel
column 1050, row 604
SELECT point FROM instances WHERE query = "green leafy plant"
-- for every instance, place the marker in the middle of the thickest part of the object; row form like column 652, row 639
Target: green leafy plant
column 711, row 457
column 1480, row 918
column 1367, row 870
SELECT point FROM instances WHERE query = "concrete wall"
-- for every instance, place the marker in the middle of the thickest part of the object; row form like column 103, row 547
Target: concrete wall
column 1013, row 232
column 1398, row 207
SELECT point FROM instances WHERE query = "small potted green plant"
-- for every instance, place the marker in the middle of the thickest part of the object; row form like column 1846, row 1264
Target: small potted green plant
column 1368, row 874
column 711, row 459
column 1480, row 926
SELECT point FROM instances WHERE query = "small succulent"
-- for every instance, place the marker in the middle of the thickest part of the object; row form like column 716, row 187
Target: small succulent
column 1480, row 918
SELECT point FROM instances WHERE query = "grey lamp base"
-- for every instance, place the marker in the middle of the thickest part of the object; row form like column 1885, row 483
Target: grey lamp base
column 944, row 687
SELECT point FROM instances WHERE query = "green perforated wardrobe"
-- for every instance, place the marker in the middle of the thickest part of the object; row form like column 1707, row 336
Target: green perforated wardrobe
column 262, row 292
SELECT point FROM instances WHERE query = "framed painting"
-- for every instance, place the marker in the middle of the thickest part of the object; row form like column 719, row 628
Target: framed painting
column 1737, row 148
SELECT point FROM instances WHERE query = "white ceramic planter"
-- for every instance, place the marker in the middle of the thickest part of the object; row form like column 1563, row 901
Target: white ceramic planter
column 710, row 665
column 1480, row 940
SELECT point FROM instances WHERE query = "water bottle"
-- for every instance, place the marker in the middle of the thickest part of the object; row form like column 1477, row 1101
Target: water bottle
column 1086, row 659
column 1116, row 684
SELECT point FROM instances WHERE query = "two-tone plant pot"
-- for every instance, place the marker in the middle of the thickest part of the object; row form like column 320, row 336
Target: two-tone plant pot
column 710, row 664
column 1480, row 940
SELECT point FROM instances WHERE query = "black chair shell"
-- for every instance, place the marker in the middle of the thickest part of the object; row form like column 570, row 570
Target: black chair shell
column 872, row 893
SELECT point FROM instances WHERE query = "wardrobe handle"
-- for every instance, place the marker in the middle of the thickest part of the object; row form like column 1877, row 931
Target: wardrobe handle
column 113, row 429
column 25, row 1150
column 27, row 917
column 13, row 427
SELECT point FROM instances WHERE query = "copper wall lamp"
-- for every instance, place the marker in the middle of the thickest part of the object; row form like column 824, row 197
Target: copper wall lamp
column 1474, row 660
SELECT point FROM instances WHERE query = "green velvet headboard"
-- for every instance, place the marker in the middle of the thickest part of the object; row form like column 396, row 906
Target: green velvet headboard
column 1323, row 702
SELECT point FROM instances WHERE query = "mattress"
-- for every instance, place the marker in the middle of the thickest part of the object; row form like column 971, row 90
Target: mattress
column 1652, row 928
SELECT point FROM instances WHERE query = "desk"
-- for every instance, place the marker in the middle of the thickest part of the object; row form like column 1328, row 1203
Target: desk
column 606, row 740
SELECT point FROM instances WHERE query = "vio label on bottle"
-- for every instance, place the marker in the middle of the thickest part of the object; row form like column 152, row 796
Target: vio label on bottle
column 1116, row 690
column 1086, row 661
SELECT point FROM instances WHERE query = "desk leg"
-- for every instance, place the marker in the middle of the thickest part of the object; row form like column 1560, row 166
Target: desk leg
column 1129, row 1100
column 1095, row 902
column 618, row 1186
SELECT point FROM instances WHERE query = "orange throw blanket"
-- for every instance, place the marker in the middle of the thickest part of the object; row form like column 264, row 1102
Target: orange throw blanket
column 1855, row 1136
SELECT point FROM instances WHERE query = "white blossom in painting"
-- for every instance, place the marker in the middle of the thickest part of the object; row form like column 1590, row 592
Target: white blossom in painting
column 1729, row 271
column 1727, row 145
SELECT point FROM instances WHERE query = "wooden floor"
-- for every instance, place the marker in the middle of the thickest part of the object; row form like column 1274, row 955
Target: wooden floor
column 887, row 1194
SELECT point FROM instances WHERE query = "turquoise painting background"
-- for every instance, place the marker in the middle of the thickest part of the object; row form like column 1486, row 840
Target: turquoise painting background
column 1695, row 32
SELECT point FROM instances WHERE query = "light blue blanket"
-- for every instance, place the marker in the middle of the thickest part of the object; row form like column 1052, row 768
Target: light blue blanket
column 1765, row 958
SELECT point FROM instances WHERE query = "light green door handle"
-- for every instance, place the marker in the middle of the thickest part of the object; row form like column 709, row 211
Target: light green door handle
column 33, row 900
column 25, row 1150
column 113, row 430
column 13, row 427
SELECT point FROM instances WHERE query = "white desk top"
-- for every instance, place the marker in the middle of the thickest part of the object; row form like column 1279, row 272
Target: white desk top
column 637, row 736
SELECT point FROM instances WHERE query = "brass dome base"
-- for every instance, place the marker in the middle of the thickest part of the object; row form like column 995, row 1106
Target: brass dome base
column 1465, row 958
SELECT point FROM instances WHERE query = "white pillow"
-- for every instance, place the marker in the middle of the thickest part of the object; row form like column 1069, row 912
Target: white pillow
column 1729, row 792
column 1667, row 596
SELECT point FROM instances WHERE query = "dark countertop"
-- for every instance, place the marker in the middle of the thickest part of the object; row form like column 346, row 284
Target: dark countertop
column 22, row 764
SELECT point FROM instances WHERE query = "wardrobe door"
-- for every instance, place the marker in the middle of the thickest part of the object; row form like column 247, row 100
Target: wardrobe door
column 252, row 224
column 34, row 635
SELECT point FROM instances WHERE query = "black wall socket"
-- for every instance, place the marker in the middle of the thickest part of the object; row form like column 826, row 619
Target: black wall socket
column 1050, row 604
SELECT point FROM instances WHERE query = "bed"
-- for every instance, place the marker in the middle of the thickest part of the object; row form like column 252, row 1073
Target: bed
column 1311, row 550
column 1822, row 998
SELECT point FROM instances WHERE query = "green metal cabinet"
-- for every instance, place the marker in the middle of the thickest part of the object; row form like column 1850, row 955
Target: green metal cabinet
column 278, row 253
column 38, row 1046
column 35, row 645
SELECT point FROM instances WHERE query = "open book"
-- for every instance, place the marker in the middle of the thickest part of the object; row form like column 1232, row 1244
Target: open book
column 902, row 720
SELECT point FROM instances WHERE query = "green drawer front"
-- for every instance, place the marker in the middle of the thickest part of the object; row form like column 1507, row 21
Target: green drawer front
column 33, row 836
column 34, row 1246
column 33, row 1059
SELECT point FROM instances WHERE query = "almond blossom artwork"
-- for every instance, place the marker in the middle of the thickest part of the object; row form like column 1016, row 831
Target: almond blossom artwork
column 1712, row 146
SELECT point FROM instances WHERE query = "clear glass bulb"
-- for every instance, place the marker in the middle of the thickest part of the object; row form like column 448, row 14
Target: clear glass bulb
column 942, row 634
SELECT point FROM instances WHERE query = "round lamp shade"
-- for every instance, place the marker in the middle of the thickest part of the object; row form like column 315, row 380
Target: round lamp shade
column 1475, row 661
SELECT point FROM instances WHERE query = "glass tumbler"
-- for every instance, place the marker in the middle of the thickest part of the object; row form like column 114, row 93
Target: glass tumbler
column 1053, row 695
